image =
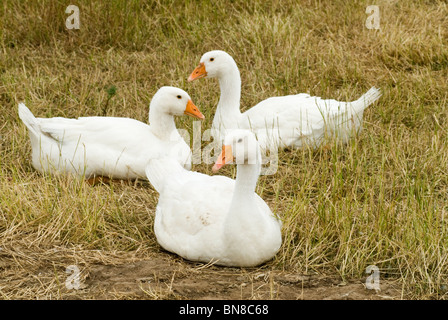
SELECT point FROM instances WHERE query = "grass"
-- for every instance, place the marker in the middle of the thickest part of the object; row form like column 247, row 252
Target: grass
column 381, row 200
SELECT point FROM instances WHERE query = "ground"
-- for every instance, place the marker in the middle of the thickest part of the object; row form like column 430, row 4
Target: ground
column 380, row 200
column 163, row 277
column 166, row 276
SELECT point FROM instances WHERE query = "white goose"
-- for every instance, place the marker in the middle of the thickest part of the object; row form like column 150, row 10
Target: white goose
column 215, row 218
column 288, row 121
column 110, row 146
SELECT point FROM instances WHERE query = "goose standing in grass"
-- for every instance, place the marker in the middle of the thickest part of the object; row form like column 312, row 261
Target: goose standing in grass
column 112, row 147
column 215, row 218
column 287, row 121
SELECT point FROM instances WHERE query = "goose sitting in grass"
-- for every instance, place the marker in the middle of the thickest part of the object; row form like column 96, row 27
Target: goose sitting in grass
column 112, row 147
column 214, row 218
column 287, row 121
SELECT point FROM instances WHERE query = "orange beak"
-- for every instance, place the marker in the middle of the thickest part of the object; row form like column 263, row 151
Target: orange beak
column 198, row 73
column 224, row 158
column 192, row 110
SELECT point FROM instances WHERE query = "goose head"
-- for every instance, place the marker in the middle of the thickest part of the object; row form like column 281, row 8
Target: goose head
column 213, row 64
column 240, row 146
column 176, row 102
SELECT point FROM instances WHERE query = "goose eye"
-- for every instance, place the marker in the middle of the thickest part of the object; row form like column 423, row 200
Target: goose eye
column 212, row 59
column 179, row 97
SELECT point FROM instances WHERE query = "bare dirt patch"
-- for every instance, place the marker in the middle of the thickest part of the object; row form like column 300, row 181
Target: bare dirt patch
column 164, row 276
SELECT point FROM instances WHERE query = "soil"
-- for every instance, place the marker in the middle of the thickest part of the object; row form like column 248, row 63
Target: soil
column 37, row 273
column 167, row 278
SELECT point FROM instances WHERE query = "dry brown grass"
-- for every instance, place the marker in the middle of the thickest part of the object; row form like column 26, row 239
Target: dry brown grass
column 380, row 200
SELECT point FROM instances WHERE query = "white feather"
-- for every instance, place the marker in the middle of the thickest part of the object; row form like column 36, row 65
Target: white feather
column 204, row 218
column 108, row 146
column 288, row 121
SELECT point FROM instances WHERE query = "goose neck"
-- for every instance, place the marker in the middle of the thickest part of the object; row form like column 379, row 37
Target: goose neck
column 245, row 183
column 230, row 86
column 162, row 124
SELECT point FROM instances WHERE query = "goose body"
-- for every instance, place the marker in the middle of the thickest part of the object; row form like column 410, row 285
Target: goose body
column 114, row 147
column 286, row 121
column 214, row 218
